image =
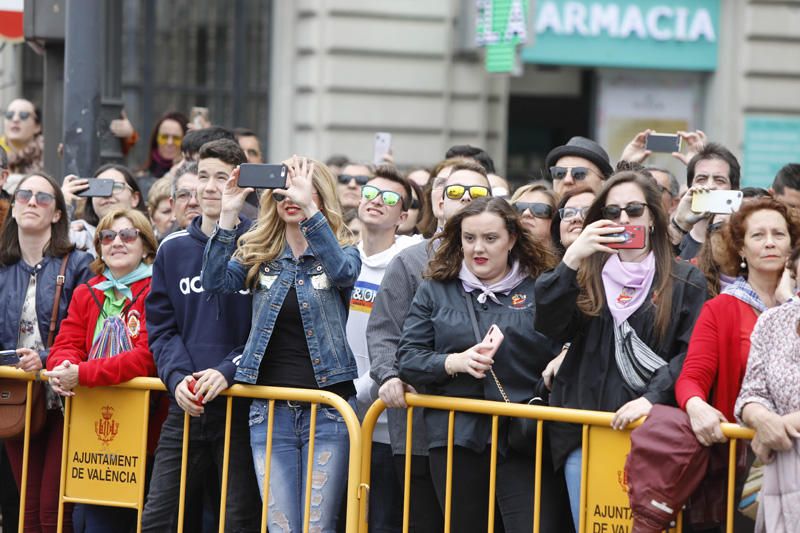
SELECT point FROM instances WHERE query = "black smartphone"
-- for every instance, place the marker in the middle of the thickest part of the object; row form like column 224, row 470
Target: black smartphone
column 8, row 358
column 98, row 187
column 261, row 176
column 663, row 142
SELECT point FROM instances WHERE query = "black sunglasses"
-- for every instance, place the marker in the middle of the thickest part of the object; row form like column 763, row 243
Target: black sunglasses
column 578, row 173
column 345, row 179
column 613, row 212
column 44, row 199
column 23, row 115
column 537, row 209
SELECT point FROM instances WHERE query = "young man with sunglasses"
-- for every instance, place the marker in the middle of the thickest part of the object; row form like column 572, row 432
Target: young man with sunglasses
column 464, row 181
column 352, row 178
column 385, row 200
column 192, row 336
column 581, row 160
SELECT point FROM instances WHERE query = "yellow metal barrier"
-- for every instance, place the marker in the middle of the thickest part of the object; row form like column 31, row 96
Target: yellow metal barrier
column 271, row 394
column 588, row 419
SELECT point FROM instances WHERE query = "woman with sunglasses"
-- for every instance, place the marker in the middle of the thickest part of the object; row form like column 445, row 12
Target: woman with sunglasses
column 103, row 340
column 568, row 219
column 22, row 137
column 627, row 313
column 125, row 195
column 536, row 205
column 164, row 148
column 482, row 274
column 299, row 263
column 33, row 246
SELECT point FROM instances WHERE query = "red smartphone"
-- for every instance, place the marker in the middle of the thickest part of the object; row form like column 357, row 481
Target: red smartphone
column 192, row 382
column 494, row 337
column 634, row 238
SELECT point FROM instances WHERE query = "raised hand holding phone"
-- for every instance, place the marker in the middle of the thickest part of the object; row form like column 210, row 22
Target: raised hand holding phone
column 233, row 198
column 300, row 185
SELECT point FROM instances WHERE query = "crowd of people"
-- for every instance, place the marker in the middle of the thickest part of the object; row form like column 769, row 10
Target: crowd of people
column 372, row 281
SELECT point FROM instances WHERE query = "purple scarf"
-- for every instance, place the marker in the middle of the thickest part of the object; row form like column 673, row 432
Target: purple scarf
column 627, row 285
column 470, row 282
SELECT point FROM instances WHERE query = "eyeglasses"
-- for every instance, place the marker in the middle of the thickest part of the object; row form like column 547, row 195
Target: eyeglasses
column 44, row 199
column 126, row 235
column 578, row 173
column 568, row 213
column 252, row 152
column 23, row 115
column 537, row 209
column 163, row 139
column 456, row 191
column 119, row 187
column 184, row 195
column 389, row 198
column 345, row 179
column 613, row 212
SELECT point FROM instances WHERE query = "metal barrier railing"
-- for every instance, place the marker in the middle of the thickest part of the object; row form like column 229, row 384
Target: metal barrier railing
column 542, row 414
column 272, row 394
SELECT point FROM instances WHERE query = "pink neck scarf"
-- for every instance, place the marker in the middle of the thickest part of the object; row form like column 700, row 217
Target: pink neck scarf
column 627, row 285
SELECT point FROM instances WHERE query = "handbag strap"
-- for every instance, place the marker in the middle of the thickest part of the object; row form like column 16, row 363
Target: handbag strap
column 57, row 299
column 476, row 330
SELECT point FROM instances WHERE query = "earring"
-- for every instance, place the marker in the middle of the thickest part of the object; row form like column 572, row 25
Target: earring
column 743, row 264
column 652, row 229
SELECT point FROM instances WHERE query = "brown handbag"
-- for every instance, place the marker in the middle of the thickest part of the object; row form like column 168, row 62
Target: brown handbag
column 14, row 392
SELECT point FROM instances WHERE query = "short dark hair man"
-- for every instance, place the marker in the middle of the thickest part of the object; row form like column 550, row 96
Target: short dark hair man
column 580, row 160
column 195, row 139
column 713, row 167
column 249, row 142
column 479, row 155
column 786, row 186
column 193, row 337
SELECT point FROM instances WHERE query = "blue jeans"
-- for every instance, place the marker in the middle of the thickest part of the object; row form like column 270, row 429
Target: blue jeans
column 572, row 473
column 288, row 468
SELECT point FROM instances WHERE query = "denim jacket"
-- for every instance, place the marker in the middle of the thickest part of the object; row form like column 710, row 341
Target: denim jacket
column 323, row 277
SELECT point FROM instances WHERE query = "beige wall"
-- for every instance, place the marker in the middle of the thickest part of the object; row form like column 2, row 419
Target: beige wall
column 345, row 69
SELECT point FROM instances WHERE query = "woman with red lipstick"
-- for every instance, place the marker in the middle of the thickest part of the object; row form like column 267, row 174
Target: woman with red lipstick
column 483, row 274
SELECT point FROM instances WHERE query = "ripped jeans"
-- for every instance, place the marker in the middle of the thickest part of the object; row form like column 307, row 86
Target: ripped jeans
column 288, row 470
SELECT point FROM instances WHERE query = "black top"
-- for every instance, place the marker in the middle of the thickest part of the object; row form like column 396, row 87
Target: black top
column 439, row 324
column 287, row 361
column 688, row 247
column 588, row 377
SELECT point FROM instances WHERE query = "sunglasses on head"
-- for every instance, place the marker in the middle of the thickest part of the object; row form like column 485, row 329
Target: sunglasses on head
column 44, row 199
column 578, row 173
column 126, row 235
column 537, row 209
column 613, row 212
column 389, row 198
column 23, row 115
column 568, row 213
column 456, row 191
column 163, row 139
column 345, row 179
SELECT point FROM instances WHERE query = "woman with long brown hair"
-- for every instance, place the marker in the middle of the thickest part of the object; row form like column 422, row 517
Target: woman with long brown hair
column 628, row 314
column 34, row 245
column 481, row 278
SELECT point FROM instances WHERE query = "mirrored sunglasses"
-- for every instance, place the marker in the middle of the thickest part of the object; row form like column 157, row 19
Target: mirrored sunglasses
column 456, row 191
column 163, row 139
column 389, row 198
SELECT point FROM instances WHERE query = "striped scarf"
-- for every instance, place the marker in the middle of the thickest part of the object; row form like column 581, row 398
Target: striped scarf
column 635, row 360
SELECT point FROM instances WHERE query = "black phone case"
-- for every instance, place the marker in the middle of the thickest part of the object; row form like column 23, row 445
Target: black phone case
column 261, row 176
column 98, row 187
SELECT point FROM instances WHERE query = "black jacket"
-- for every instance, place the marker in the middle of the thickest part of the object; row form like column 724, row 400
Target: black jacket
column 588, row 377
column 14, row 281
column 439, row 324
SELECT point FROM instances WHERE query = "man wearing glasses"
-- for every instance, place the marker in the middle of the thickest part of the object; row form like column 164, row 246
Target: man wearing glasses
column 185, row 204
column 352, row 178
column 580, row 161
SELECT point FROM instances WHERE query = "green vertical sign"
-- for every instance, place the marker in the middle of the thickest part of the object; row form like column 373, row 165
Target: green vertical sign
column 770, row 141
column 501, row 27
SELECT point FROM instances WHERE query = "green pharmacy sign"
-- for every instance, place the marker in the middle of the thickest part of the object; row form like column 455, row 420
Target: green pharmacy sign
column 501, row 27
column 652, row 34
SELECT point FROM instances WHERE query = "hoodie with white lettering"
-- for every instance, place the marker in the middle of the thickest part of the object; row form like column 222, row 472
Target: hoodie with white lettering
column 189, row 329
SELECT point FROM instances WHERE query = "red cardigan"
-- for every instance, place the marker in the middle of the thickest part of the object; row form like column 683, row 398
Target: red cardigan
column 74, row 339
column 717, row 356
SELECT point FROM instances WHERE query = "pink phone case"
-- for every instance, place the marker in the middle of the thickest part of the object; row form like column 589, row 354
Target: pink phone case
column 494, row 337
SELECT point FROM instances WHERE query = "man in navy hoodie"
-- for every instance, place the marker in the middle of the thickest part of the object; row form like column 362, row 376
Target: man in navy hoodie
column 191, row 334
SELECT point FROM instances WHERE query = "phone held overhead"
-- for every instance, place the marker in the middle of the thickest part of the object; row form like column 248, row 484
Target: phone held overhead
column 716, row 201
column 663, row 142
column 261, row 176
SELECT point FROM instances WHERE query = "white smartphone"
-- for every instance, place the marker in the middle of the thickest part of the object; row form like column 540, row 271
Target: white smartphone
column 383, row 145
column 494, row 337
column 724, row 202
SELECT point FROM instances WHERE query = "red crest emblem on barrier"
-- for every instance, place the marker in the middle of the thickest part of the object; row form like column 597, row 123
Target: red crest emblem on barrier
column 105, row 428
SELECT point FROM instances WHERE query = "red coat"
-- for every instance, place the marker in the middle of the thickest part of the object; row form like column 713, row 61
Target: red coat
column 717, row 356
column 74, row 339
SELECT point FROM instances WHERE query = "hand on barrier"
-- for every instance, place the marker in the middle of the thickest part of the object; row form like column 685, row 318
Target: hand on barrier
column 705, row 421
column 186, row 399
column 552, row 367
column 631, row 412
column 210, row 383
column 392, row 392
column 773, row 431
column 29, row 360
column 63, row 378
column 471, row 361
